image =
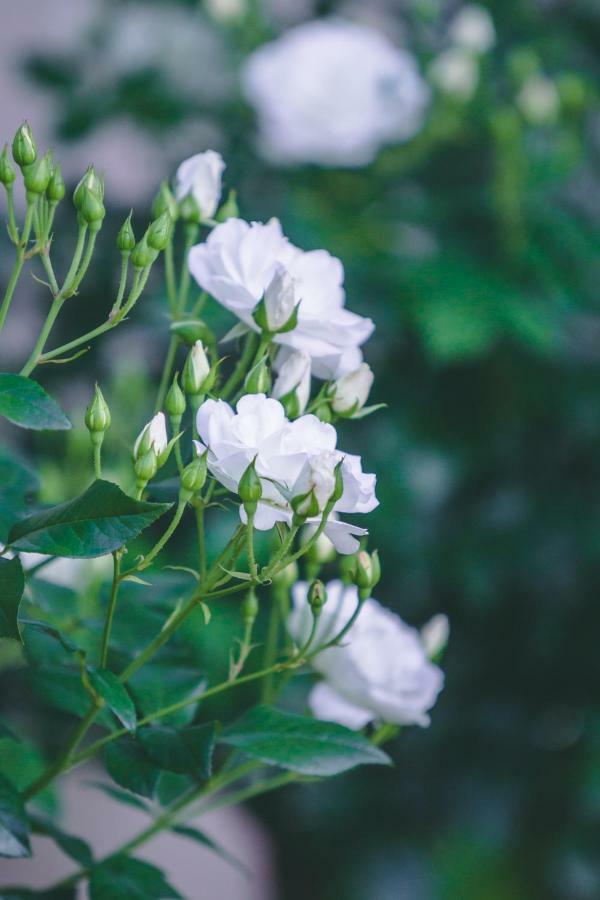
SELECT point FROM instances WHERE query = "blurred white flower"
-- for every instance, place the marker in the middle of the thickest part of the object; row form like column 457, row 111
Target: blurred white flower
column 299, row 456
column 200, row 175
column 455, row 72
column 333, row 92
column 226, row 10
column 351, row 391
column 473, row 29
column 435, row 634
column 380, row 672
column 236, row 265
column 538, row 100
column 294, row 375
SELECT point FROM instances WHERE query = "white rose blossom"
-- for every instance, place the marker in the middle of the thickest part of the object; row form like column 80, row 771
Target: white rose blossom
column 237, row 264
column 153, row 436
column 473, row 29
column 456, row 72
column 298, row 456
column 381, row 672
column 333, row 92
column 200, row 175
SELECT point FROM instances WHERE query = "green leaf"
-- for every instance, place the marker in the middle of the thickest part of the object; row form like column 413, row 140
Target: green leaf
column 202, row 838
column 115, row 695
column 14, row 830
column 304, row 745
column 129, row 879
column 186, row 751
column 61, row 688
column 163, row 683
column 128, row 765
column 12, row 585
column 24, row 402
column 16, row 482
column 119, row 795
column 97, row 522
column 74, row 847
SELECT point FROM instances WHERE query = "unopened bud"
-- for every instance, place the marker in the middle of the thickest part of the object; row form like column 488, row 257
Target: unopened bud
column 250, row 489
column 24, row 149
column 367, row 572
column 322, row 550
column 153, row 436
column 97, row 415
column 277, row 312
column 305, row 506
column 434, row 635
column 351, row 392
column 142, row 254
column 193, row 476
column 196, row 370
column 36, row 177
column 249, row 608
column 56, row 186
column 7, row 173
column 229, row 209
column 91, row 209
column 175, row 400
column 92, row 183
column 146, row 466
column 258, row 379
column 189, row 210
column 338, row 490
column 317, row 597
column 160, row 231
column 126, row 237
column 292, row 385
column 165, row 202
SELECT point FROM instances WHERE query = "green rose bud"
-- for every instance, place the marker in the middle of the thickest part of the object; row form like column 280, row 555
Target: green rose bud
column 160, row 231
column 36, row 177
column 24, row 149
column 250, row 489
column 146, row 466
column 91, row 209
column 196, row 370
column 56, row 186
column 193, row 476
column 90, row 181
column 165, row 202
column 305, row 506
column 97, row 415
column 175, row 400
column 258, row 379
column 143, row 255
column 229, row 209
column 317, row 597
column 7, row 173
column 126, row 237
column 190, row 211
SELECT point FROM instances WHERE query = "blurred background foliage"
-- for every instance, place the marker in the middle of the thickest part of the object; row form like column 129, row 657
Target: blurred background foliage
column 474, row 247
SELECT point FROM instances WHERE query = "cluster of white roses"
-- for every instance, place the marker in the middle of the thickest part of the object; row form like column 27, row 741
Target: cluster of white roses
column 455, row 71
column 382, row 671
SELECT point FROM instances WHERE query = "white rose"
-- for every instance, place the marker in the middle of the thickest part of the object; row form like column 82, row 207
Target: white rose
column 538, row 100
column 333, row 92
column 351, row 391
column 435, row 634
column 236, row 265
column 200, row 175
column 456, row 72
column 381, row 672
column 294, row 375
column 297, row 456
column 473, row 29
column 153, row 436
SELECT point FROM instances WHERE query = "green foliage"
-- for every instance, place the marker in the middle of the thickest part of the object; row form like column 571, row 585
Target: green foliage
column 131, row 767
column 300, row 744
column 96, row 523
column 12, row 583
column 136, row 880
column 24, row 402
column 185, row 751
column 114, row 694
column 14, row 828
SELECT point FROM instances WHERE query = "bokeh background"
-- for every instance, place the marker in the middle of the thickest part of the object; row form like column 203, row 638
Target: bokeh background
column 474, row 247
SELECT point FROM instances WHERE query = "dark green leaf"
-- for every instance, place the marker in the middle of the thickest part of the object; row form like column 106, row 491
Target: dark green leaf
column 99, row 521
column 16, row 482
column 128, row 765
column 74, row 847
column 161, row 684
column 61, row 688
column 186, row 751
column 24, row 402
column 129, row 879
column 115, row 695
column 12, row 584
column 304, row 745
column 14, row 830
column 196, row 835
column 52, row 632
column 7, row 733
